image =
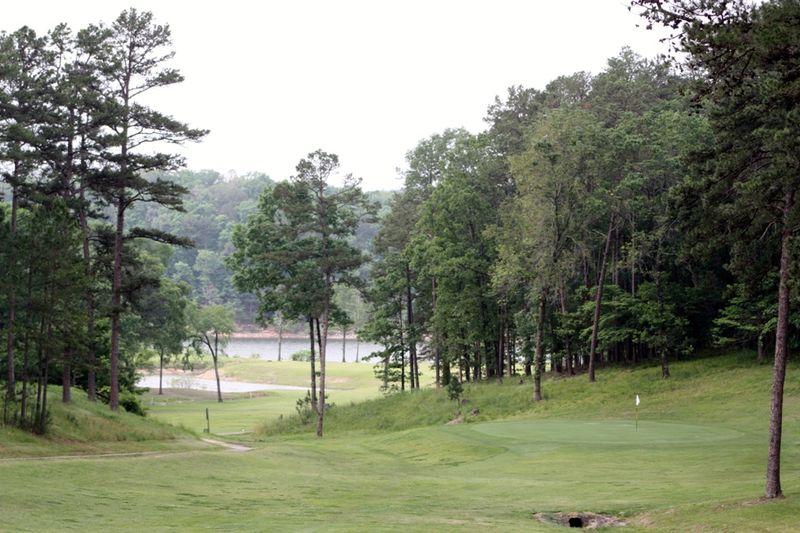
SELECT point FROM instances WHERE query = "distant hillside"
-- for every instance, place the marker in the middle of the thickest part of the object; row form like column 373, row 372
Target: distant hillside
column 216, row 203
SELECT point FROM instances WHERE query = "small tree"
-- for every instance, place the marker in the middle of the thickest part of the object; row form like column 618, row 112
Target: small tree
column 211, row 328
column 165, row 312
column 454, row 389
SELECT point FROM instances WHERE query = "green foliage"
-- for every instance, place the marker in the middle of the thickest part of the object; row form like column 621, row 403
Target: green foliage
column 302, row 355
column 454, row 390
column 132, row 404
column 304, row 409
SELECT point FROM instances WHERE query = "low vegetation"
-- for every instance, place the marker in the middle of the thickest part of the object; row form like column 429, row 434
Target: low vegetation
column 83, row 427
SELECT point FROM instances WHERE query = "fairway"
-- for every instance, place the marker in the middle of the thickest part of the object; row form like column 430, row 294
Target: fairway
column 242, row 412
column 452, row 478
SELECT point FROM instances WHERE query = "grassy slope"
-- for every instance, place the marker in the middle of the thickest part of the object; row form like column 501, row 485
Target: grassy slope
column 84, row 427
column 727, row 391
column 697, row 463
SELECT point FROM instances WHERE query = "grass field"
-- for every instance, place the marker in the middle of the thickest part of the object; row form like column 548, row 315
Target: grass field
column 243, row 412
column 696, row 463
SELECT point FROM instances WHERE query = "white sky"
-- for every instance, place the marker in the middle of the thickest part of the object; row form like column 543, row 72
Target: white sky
column 367, row 80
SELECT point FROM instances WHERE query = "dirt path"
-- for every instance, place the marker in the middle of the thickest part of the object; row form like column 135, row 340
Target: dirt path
column 229, row 445
column 94, row 456
column 116, row 455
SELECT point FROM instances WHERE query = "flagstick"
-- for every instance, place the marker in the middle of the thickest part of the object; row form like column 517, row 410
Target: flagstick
column 637, row 418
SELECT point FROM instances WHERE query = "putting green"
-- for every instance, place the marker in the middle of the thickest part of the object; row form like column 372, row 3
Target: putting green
column 608, row 432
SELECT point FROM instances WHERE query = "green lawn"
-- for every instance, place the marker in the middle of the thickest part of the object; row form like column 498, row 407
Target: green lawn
column 696, row 463
column 347, row 383
column 342, row 376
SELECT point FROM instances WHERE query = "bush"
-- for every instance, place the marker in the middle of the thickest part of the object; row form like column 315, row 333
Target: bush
column 131, row 403
column 302, row 355
column 454, row 389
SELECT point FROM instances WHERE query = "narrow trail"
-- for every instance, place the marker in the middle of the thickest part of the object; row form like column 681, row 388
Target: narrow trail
column 112, row 455
column 229, row 445
column 117, row 455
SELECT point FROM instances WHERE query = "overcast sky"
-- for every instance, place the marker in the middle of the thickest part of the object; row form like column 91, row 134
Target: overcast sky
column 367, row 80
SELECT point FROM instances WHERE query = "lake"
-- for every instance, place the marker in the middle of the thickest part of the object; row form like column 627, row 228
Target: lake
column 268, row 349
column 195, row 383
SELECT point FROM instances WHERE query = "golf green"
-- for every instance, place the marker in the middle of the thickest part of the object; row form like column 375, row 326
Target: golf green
column 606, row 432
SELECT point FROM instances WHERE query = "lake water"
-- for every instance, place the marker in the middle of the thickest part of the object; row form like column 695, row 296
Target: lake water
column 268, row 349
column 195, row 383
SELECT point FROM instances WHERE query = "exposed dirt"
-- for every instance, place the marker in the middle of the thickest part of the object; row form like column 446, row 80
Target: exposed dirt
column 229, row 445
column 457, row 419
column 582, row 520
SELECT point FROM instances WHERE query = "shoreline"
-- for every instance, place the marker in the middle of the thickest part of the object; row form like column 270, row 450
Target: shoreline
column 269, row 335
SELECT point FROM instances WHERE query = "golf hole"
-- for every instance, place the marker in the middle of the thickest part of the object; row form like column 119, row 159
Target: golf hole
column 583, row 520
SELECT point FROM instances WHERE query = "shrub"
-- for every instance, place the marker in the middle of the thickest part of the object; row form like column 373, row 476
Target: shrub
column 302, row 355
column 454, row 389
column 131, row 403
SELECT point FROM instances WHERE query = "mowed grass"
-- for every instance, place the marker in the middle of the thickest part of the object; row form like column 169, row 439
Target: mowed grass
column 696, row 463
column 243, row 412
column 340, row 376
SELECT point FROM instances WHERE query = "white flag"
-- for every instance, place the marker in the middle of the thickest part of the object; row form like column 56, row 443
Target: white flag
column 637, row 400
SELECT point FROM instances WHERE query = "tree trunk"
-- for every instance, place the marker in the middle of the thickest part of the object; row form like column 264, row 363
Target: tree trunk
column 436, row 355
column 26, row 352
column 12, row 298
column 570, row 370
column 66, row 379
column 538, row 364
column 44, row 368
column 402, row 351
column 160, row 371
column 761, row 355
column 280, row 338
column 500, row 352
column 326, row 316
column 412, row 336
column 773, row 484
column 527, row 345
column 313, row 370
column 215, row 356
column 344, row 344
column 116, row 305
column 509, row 351
column 598, row 299
column 664, row 364
column 660, row 296
column 90, row 359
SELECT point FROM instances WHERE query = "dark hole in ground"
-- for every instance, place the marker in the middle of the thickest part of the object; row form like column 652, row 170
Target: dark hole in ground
column 584, row 520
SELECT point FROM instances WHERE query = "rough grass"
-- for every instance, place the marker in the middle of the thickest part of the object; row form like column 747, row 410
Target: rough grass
column 699, row 390
column 84, row 427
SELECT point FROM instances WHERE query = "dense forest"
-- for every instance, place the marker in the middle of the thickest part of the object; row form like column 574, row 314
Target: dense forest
column 638, row 214
column 213, row 206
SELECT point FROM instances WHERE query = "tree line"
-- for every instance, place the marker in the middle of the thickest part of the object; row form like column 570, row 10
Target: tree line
column 639, row 214
column 79, row 149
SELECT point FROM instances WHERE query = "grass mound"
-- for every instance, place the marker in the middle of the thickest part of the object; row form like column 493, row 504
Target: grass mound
column 84, row 427
column 698, row 391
